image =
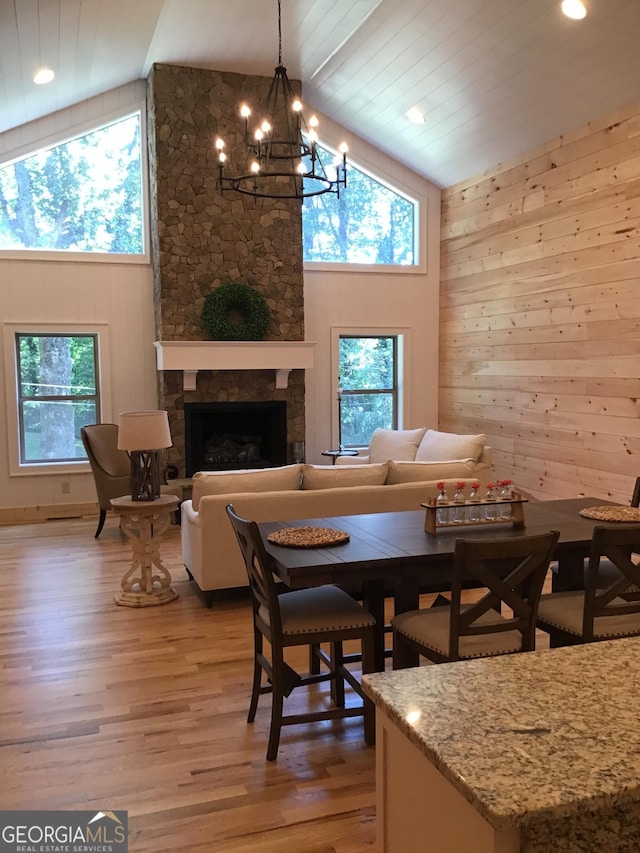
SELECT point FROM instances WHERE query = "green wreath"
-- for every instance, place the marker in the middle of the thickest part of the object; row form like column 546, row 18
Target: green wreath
column 239, row 300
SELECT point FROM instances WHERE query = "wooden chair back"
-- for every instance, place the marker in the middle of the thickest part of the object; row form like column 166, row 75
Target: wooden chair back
column 259, row 571
column 620, row 596
column 513, row 572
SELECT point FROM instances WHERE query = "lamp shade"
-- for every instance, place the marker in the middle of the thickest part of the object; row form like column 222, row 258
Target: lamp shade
column 143, row 431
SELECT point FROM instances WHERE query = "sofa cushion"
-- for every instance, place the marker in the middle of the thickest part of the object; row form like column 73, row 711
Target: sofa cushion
column 331, row 477
column 398, row 444
column 443, row 446
column 245, row 480
column 416, row 472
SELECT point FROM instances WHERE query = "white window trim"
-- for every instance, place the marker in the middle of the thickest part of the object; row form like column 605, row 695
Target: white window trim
column 403, row 333
column 9, row 331
column 420, row 233
column 7, row 158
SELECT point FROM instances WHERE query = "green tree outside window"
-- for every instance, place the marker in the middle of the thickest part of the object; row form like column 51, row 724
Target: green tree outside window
column 57, row 394
column 369, row 223
column 84, row 195
column 368, row 387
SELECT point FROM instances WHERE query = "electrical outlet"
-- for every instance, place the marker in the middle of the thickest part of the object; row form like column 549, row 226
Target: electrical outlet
column 65, row 487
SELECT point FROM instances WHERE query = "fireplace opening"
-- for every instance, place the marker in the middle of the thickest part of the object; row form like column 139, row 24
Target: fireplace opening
column 229, row 436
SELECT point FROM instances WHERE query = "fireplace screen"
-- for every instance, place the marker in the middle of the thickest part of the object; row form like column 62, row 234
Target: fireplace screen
column 228, row 436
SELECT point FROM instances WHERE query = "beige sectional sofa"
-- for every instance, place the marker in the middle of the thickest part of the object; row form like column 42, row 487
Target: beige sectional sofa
column 209, row 549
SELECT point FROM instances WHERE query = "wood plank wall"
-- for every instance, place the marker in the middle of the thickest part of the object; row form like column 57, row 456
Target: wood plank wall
column 540, row 312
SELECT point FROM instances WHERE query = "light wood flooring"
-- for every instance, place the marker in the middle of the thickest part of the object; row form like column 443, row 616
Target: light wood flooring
column 107, row 707
column 144, row 709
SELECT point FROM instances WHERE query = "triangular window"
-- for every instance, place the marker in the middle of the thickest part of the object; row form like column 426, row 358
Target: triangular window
column 83, row 195
column 369, row 223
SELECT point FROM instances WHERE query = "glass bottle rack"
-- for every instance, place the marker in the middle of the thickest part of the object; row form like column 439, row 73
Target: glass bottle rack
column 432, row 525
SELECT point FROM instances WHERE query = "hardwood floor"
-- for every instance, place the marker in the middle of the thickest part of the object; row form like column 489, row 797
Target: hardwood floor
column 144, row 709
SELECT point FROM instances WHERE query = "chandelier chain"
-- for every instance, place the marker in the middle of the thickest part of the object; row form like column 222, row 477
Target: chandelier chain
column 279, row 36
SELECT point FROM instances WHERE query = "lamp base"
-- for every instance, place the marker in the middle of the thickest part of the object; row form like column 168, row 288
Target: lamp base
column 145, row 475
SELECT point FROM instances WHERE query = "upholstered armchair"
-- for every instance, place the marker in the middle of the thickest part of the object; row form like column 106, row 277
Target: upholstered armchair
column 110, row 467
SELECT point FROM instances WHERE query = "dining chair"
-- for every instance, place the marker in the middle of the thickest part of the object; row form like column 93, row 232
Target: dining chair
column 306, row 617
column 608, row 572
column 603, row 610
column 512, row 571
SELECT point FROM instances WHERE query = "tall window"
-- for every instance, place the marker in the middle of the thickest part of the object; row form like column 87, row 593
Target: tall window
column 57, row 394
column 84, row 195
column 368, row 396
column 370, row 223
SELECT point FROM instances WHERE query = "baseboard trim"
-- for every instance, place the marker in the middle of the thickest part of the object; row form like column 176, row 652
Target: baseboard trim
column 35, row 514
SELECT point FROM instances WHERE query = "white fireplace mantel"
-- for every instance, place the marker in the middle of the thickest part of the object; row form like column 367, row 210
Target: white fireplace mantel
column 192, row 356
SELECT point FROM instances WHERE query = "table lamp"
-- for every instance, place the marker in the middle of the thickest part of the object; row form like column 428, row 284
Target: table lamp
column 142, row 435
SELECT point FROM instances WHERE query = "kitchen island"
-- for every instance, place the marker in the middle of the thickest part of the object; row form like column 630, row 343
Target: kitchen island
column 527, row 753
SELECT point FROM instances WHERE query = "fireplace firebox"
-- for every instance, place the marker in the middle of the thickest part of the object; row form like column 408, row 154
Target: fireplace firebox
column 229, row 436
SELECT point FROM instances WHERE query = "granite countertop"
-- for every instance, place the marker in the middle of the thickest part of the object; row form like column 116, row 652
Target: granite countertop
column 535, row 736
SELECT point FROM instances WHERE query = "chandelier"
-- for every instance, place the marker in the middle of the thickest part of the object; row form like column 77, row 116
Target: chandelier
column 282, row 159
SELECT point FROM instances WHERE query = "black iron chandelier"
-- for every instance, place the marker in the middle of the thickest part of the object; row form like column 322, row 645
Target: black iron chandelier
column 282, row 158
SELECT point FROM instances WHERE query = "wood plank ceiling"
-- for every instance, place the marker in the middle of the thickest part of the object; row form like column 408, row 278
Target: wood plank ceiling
column 495, row 78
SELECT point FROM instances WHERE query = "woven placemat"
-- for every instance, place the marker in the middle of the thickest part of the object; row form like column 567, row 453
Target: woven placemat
column 308, row 537
column 612, row 513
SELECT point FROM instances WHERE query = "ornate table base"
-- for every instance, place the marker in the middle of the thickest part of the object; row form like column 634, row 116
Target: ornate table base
column 144, row 522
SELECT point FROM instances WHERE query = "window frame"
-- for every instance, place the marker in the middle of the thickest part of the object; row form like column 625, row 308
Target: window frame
column 419, row 201
column 18, row 468
column 402, row 334
column 7, row 158
column 388, row 392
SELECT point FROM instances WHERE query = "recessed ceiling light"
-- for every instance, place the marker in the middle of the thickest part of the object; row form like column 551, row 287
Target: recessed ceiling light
column 415, row 115
column 574, row 9
column 44, row 75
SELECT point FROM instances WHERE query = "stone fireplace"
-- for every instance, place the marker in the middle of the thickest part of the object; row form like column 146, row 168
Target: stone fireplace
column 201, row 239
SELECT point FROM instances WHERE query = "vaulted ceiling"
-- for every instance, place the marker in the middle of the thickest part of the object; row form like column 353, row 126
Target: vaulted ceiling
column 494, row 78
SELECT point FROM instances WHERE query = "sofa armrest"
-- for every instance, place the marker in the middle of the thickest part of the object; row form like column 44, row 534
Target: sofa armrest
column 486, row 457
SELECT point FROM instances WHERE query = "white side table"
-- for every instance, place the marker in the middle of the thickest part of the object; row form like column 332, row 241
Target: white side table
column 144, row 522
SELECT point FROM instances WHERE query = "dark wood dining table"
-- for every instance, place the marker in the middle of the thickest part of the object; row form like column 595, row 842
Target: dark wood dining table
column 392, row 554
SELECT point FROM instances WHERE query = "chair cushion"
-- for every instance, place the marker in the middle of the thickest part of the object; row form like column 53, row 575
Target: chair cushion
column 399, row 444
column 430, row 628
column 442, row 446
column 564, row 610
column 330, row 476
column 417, row 472
column 321, row 609
column 287, row 477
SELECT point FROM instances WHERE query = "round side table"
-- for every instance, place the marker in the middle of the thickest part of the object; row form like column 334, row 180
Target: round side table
column 144, row 522
column 334, row 454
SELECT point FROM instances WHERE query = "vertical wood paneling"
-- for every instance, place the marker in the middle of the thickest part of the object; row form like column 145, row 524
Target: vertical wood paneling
column 540, row 312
